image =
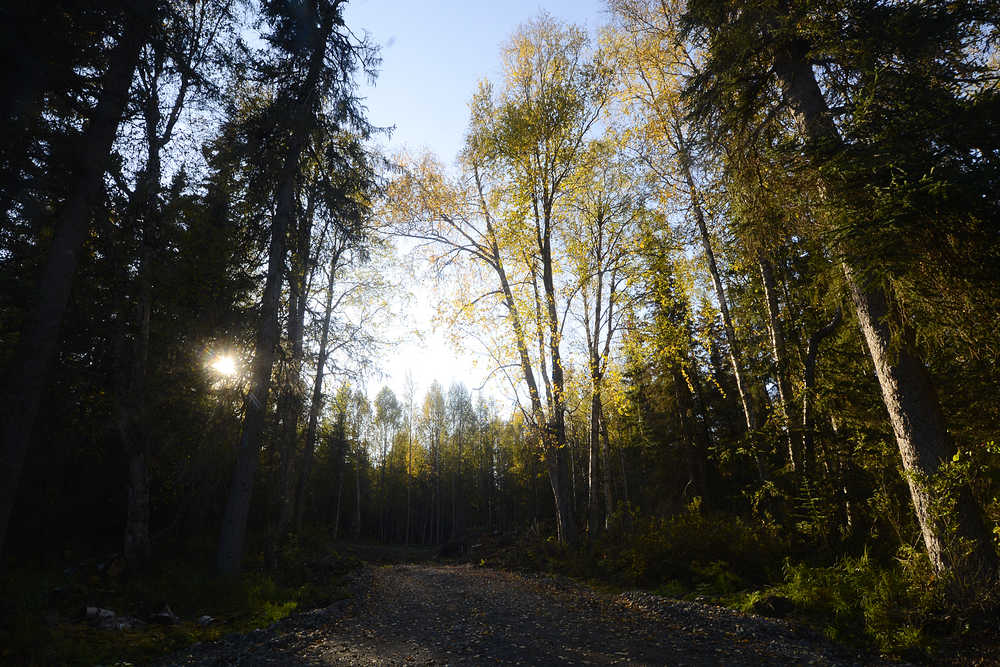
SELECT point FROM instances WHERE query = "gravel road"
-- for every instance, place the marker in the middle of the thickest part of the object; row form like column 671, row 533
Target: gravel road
column 451, row 615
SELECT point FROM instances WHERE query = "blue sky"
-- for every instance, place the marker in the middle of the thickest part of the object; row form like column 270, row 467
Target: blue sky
column 434, row 53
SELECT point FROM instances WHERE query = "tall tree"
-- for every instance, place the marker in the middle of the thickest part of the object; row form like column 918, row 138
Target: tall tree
column 461, row 417
column 388, row 413
column 606, row 204
column 523, row 144
column 174, row 65
column 765, row 55
column 434, row 423
column 314, row 59
column 339, row 250
column 653, row 67
column 39, row 335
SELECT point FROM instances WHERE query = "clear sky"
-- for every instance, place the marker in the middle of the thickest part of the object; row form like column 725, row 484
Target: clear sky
column 434, row 53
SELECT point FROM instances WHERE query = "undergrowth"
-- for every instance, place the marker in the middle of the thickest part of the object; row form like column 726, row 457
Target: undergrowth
column 893, row 606
column 896, row 608
column 42, row 614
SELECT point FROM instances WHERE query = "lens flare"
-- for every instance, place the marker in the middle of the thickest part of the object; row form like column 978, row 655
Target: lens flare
column 224, row 365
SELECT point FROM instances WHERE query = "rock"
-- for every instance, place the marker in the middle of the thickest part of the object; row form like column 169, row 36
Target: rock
column 106, row 619
column 165, row 616
column 205, row 620
column 97, row 613
column 121, row 623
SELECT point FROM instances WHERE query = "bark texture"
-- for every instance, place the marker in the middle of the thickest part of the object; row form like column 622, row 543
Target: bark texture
column 907, row 389
column 780, row 358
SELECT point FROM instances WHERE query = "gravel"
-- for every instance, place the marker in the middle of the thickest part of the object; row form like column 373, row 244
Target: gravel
column 464, row 615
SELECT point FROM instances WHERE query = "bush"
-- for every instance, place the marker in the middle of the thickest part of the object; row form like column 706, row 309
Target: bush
column 712, row 553
column 858, row 601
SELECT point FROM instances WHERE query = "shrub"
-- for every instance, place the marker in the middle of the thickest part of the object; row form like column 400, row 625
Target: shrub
column 858, row 601
column 715, row 553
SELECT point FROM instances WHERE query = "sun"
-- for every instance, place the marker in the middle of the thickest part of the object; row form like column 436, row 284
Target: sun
column 224, row 365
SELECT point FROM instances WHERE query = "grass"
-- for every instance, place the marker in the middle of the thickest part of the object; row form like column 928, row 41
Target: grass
column 41, row 613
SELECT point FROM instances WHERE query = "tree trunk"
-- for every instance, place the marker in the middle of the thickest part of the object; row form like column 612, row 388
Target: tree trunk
column 551, row 429
column 132, row 420
column 780, row 357
column 923, row 440
column 233, row 534
column 595, row 522
column 291, row 400
column 559, row 465
column 809, row 381
column 458, row 517
column 234, row 522
column 907, row 388
column 842, row 479
column 735, row 355
column 133, row 429
column 340, row 494
column 316, row 404
column 609, row 498
column 593, row 332
column 382, row 497
column 409, row 465
column 356, row 524
column 436, row 494
column 40, row 334
column 697, row 446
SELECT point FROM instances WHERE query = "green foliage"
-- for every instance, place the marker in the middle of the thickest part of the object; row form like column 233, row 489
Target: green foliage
column 860, row 601
column 687, row 554
column 711, row 552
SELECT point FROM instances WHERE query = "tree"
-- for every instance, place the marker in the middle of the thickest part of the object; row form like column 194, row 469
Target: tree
column 461, row 417
column 315, row 61
column 388, row 414
column 175, row 65
column 434, row 424
column 338, row 183
column 410, row 390
column 653, row 67
column 40, row 332
column 605, row 206
column 764, row 57
column 523, row 144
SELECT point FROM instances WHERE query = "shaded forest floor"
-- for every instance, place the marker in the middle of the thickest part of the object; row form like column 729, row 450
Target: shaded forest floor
column 495, row 600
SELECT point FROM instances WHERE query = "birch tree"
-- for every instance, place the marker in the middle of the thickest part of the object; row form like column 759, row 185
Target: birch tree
column 604, row 210
column 524, row 141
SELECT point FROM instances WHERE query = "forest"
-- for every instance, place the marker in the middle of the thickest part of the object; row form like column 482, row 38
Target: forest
column 734, row 267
